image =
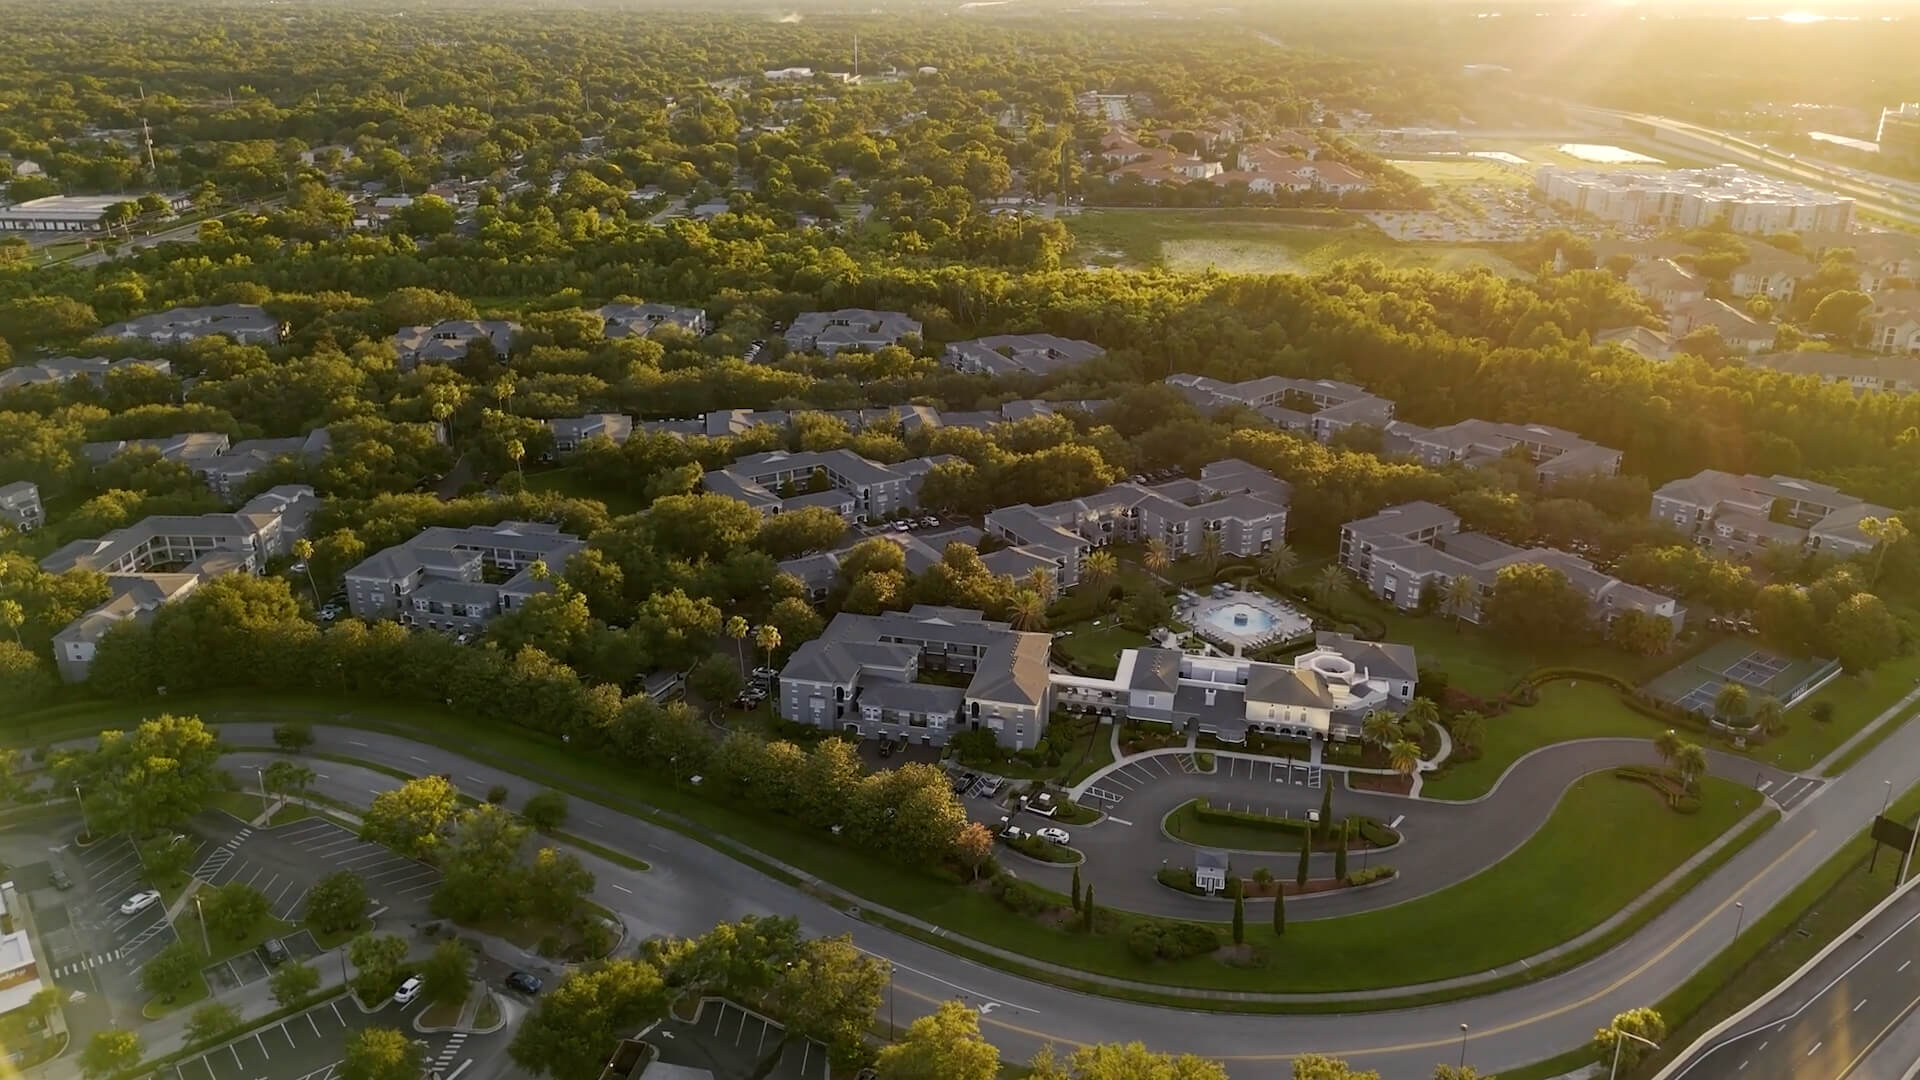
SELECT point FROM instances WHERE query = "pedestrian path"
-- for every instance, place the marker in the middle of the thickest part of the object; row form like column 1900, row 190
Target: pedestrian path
column 87, row 963
column 451, row 1051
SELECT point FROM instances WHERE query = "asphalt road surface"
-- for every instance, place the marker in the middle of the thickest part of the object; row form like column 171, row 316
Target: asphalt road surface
column 692, row 886
column 1832, row 1021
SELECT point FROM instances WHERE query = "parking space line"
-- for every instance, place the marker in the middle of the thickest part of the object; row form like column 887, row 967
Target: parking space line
column 234, row 1049
column 336, row 1013
column 289, row 1034
column 315, row 1024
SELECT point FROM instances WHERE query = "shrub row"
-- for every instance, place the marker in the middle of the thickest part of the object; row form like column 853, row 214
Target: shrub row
column 1371, row 830
column 1164, row 940
column 1679, row 798
column 1370, row 873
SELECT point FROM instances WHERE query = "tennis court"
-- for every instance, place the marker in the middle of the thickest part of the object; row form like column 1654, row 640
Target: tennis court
column 1694, row 684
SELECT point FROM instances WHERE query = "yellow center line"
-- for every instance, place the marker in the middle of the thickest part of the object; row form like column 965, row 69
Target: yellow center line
column 1450, row 1041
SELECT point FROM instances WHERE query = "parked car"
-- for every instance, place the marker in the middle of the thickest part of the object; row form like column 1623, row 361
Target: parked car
column 886, row 748
column 1013, row 832
column 275, row 952
column 408, row 990
column 989, row 786
column 1056, row 835
column 140, row 902
column 61, row 881
column 524, row 982
column 765, row 674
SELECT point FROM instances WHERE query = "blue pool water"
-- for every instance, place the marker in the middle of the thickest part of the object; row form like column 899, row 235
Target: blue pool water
column 1240, row 619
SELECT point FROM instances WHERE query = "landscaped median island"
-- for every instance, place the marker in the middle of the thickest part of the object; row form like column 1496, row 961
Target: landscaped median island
column 1203, row 825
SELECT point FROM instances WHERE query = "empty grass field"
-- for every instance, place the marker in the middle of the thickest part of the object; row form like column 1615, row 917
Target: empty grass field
column 1457, row 171
column 1251, row 241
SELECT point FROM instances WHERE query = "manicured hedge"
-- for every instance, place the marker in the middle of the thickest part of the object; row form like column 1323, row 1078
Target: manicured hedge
column 1372, row 830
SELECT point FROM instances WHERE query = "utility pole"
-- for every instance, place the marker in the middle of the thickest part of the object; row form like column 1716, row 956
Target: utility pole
column 146, row 136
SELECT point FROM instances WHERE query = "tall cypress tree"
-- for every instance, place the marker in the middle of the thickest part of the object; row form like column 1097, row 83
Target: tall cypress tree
column 1239, row 920
column 1086, row 911
column 1326, row 806
column 1340, row 853
column 1306, row 853
column 1075, row 896
column 1279, row 909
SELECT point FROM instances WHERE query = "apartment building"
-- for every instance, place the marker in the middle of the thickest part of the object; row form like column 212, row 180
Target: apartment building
column 20, row 506
column 1883, row 257
column 163, row 558
column 841, row 480
column 446, row 343
column 1242, row 504
column 228, row 472
column 1892, row 373
column 1742, row 514
column 1666, row 283
column 455, row 580
column 1019, row 354
column 1554, row 451
column 1738, row 331
column 725, row 422
column 1650, row 344
column 1321, row 408
column 1323, row 694
column 862, row 675
column 829, row 332
column 1416, row 550
column 194, row 449
column 1893, row 323
column 62, row 369
column 639, row 320
column 1770, row 272
column 243, row 324
column 1269, row 168
column 569, row 432
column 1689, row 198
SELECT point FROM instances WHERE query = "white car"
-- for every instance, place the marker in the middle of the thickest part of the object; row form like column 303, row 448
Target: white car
column 1058, row 836
column 140, row 902
column 408, row 991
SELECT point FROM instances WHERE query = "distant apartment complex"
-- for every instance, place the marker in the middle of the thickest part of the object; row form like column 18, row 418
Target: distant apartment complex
column 20, row 506
column 1415, row 551
column 1318, row 407
column 456, row 579
column 1322, row 694
column 840, row 480
column 1893, row 324
column 1743, row 514
column 849, row 328
column 1554, row 451
column 570, row 432
column 724, row 422
column 1738, row 331
column 862, row 677
column 1891, row 373
column 244, row 324
column 1019, row 354
column 228, row 472
column 1242, row 504
column 1689, row 198
column 193, row 449
column 163, row 558
column 639, row 320
column 1267, row 168
column 62, row 369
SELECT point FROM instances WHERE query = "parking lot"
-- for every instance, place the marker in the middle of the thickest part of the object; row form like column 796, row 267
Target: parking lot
column 1114, row 786
column 393, row 880
column 734, row 1044
column 111, row 872
column 307, row 1045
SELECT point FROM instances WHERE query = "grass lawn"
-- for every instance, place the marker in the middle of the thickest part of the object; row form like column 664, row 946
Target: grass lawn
column 1565, row 711
column 1856, row 701
column 1539, row 896
column 1099, row 755
column 1461, row 170
column 570, row 481
column 1254, row 241
column 1097, row 648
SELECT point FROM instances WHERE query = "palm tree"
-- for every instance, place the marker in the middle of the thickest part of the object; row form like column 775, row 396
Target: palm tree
column 1099, row 569
column 1041, row 581
column 1731, row 703
column 1156, row 558
column 1379, row 728
column 503, row 390
column 1210, row 551
column 303, row 551
column 516, row 450
column 1328, row 584
column 1468, row 728
column 13, row 616
column 766, row 637
column 736, row 628
column 1769, row 714
column 538, row 570
column 1692, row 762
column 1886, row 532
column 1404, row 757
column 1667, row 744
column 1459, row 597
column 1276, row 564
column 1029, row 611
column 1421, row 714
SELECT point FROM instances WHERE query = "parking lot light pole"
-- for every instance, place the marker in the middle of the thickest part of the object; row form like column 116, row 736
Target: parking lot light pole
column 1739, row 917
column 202, row 913
column 1463, row 1047
column 84, row 824
column 262, row 777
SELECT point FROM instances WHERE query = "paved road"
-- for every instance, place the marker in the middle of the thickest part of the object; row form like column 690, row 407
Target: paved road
column 1851, row 1015
column 1445, row 842
column 692, row 886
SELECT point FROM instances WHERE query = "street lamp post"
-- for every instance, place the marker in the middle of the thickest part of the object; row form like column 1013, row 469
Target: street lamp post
column 1739, row 917
column 1614, row 1073
column 205, row 941
column 84, row 823
column 893, row 1033
column 262, row 777
column 1463, row 1047
column 1887, row 799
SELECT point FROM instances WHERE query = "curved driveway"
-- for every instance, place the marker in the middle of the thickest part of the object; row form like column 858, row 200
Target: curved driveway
column 692, row 886
column 1443, row 842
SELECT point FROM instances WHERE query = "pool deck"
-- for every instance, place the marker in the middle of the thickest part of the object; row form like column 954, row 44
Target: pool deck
column 1212, row 618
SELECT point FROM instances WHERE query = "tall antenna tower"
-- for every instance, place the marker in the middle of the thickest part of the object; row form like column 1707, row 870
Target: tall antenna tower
column 146, row 137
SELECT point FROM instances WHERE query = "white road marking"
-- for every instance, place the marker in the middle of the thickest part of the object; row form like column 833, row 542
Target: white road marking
column 1816, row 1046
column 1743, row 1066
column 1863, row 1001
column 1765, row 786
column 943, row 982
column 1395, row 823
column 355, row 742
column 476, row 779
column 418, row 758
column 622, row 888
column 1118, row 820
column 1903, row 966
